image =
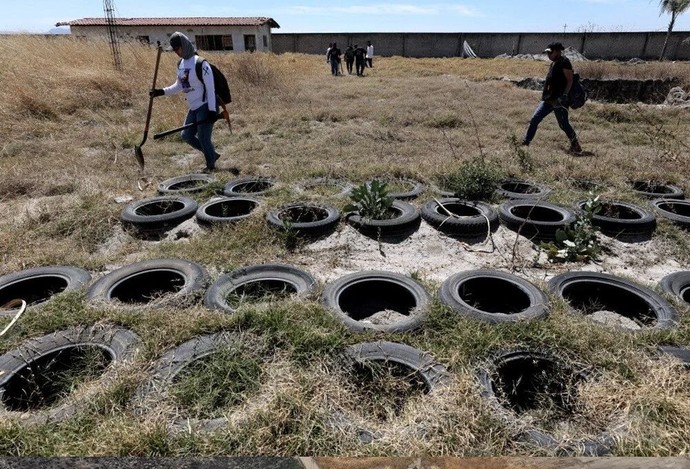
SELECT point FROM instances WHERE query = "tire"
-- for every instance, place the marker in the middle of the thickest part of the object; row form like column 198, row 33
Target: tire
column 298, row 280
column 120, row 345
column 651, row 190
column 168, row 367
column 327, row 218
column 627, row 298
column 38, row 285
column 637, row 225
column 677, row 284
column 143, row 215
column 470, row 221
column 680, row 353
column 354, row 298
column 344, row 187
column 129, row 286
column 226, row 210
column 677, row 211
column 415, row 188
column 597, row 446
column 248, row 186
column 432, row 373
column 515, row 189
column 404, row 224
column 185, row 184
column 515, row 215
column 522, row 297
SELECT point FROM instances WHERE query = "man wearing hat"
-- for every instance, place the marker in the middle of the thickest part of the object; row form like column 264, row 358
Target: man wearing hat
column 555, row 97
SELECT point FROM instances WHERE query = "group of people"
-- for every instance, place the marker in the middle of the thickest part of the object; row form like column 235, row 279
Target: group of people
column 203, row 108
column 353, row 55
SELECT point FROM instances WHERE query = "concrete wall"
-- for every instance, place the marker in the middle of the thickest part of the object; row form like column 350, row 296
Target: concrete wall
column 163, row 33
column 622, row 46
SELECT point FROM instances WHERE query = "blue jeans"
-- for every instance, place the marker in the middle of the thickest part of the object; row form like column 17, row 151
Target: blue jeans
column 199, row 137
column 543, row 110
column 334, row 66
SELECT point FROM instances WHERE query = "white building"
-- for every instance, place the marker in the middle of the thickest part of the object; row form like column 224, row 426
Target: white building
column 207, row 33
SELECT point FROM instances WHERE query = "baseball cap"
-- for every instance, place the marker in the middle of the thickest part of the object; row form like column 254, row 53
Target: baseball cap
column 554, row 46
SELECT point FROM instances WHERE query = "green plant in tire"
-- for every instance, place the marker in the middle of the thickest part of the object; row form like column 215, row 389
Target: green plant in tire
column 371, row 201
column 475, row 179
column 579, row 243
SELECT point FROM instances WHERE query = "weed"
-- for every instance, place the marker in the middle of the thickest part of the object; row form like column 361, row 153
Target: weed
column 475, row 179
column 579, row 243
column 371, row 200
column 524, row 158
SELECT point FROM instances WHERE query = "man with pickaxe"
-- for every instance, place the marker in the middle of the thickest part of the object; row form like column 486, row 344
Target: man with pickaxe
column 201, row 100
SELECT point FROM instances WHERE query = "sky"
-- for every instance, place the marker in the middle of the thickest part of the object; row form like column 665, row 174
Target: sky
column 369, row 16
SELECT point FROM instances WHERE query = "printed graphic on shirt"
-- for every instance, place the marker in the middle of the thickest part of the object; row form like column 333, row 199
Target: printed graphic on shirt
column 183, row 75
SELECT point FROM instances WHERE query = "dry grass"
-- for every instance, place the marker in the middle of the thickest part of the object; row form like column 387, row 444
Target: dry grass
column 69, row 125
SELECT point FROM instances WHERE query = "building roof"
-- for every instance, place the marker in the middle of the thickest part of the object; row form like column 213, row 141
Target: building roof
column 180, row 21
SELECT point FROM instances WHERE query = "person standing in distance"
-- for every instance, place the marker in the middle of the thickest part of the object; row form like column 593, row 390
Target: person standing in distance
column 200, row 96
column 555, row 97
column 370, row 55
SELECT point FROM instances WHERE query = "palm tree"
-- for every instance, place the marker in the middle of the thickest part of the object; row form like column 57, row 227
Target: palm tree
column 675, row 8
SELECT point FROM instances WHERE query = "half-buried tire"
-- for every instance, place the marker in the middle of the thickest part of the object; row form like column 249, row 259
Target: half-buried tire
column 677, row 284
column 405, row 221
column 535, row 220
column 461, row 218
column 158, row 214
column 623, row 221
column 677, row 211
column 226, row 210
column 185, row 184
column 306, row 219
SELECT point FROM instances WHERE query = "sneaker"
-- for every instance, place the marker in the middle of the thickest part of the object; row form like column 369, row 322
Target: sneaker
column 524, row 143
column 208, row 170
column 217, row 156
column 575, row 147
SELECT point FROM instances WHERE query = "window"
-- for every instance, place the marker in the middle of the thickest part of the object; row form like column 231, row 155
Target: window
column 250, row 42
column 265, row 42
column 214, row 42
column 143, row 39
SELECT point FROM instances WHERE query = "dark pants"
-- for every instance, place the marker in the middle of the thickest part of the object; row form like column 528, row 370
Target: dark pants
column 349, row 63
column 334, row 66
column 359, row 65
column 369, row 63
column 543, row 110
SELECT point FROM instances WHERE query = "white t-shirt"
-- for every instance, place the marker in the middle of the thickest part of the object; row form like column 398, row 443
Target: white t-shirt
column 188, row 83
column 370, row 52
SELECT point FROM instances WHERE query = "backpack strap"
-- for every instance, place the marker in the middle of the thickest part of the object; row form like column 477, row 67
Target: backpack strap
column 199, row 64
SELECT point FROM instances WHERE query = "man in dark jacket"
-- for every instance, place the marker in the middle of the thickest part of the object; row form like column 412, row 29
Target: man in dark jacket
column 334, row 57
column 360, row 55
column 555, row 97
column 349, row 58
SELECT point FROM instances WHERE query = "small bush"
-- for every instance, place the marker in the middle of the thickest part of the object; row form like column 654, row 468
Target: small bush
column 371, row 201
column 579, row 243
column 475, row 179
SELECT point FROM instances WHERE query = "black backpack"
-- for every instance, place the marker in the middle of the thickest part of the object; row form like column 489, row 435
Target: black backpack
column 577, row 94
column 220, row 83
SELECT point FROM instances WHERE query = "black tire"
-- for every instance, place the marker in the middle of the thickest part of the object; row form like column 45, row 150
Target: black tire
column 636, row 223
column 519, row 299
column 300, row 282
column 680, row 353
column 187, row 184
column 414, row 189
column 515, row 189
column 248, row 186
column 652, row 190
column 226, row 210
column 306, row 219
column 358, row 296
column 405, row 223
column 619, row 296
column 120, row 345
column 344, row 187
column 158, row 213
column 677, row 284
column 535, row 220
column 470, row 220
column 432, row 373
column 597, row 446
column 677, row 211
column 38, row 285
column 130, row 286
column 168, row 367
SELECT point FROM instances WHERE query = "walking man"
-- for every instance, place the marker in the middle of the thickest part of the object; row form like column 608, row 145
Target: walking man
column 349, row 58
column 555, row 97
column 370, row 55
column 200, row 96
column 334, row 57
column 360, row 55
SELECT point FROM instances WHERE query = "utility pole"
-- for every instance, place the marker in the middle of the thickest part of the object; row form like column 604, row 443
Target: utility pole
column 109, row 9
column 564, row 27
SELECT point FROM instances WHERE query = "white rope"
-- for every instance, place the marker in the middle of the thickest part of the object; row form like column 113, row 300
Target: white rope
column 15, row 318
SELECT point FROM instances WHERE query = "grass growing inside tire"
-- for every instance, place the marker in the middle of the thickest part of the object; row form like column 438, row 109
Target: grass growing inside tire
column 45, row 382
column 380, row 390
column 264, row 291
column 212, row 385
